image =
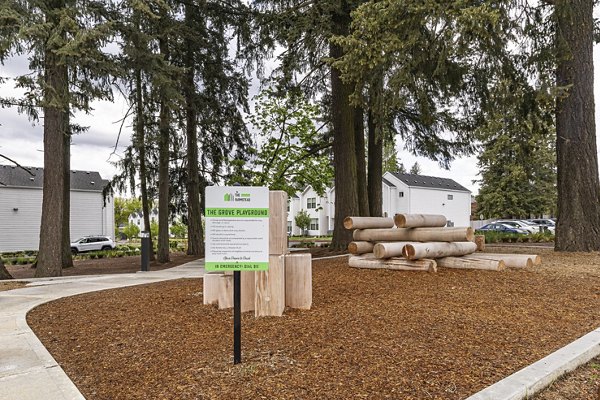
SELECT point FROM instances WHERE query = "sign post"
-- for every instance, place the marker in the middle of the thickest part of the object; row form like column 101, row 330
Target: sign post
column 237, row 239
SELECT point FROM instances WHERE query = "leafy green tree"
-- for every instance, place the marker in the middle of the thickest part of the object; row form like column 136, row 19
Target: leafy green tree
column 293, row 153
column 302, row 220
column 124, row 207
column 131, row 230
column 154, row 228
column 179, row 230
column 391, row 162
column 415, row 169
column 64, row 42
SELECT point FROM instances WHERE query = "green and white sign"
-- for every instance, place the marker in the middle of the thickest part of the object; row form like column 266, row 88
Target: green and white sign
column 237, row 228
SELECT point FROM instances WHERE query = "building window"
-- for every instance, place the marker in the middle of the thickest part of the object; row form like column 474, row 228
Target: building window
column 289, row 227
column 288, row 206
column 450, row 224
column 450, row 197
column 311, row 202
column 401, row 194
column 314, row 224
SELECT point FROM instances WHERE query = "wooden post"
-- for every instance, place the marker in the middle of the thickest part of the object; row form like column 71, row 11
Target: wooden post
column 416, row 251
column 298, row 280
column 414, row 234
column 269, row 299
column 388, row 250
column 480, row 242
column 368, row 222
column 471, row 263
column 225, row 292
column 419, row 220
column 360, row 247
column 369, row 261
column 248, row 290
column 278, row 222
column 210, row 288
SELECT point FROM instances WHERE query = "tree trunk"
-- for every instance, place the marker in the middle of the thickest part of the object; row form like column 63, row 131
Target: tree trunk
column 361, row 162
column 195, row 234
column 139, row 140
column 375, row 169
column 163, row 165
column 344, row 155
column 52, row 228
column 577, row 158
column 4, row 274
column 67, row 255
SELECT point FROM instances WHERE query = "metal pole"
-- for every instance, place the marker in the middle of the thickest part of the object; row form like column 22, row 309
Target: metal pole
column 237, row 318
column 145, row 250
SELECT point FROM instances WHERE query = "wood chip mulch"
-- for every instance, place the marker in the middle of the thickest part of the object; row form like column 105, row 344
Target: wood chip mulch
column 4, row 286
column 370, row 334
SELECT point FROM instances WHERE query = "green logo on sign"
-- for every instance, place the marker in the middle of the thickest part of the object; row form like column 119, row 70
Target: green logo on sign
column 228, row 197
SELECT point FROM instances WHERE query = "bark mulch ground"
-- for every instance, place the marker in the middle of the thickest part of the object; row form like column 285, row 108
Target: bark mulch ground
column 10, row 285
column 370, row 334
column 581, row 384
column 116, row 265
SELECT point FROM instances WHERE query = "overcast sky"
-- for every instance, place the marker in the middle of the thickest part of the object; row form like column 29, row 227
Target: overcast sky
column 22, row 140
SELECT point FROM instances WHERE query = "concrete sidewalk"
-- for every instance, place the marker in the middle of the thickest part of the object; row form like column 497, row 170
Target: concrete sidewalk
column 27, row 370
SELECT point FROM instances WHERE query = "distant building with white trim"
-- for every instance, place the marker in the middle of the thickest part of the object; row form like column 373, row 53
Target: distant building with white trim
column 401, row 193
column 21, row 207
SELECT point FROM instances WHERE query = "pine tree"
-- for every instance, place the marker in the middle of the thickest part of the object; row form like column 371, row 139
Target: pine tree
column 63, row 40
column 415, row 169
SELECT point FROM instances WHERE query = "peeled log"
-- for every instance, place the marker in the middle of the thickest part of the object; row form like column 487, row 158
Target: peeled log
column 513, row 260
column 269, row 299
column 298, row 280
column 360, row 247
column 416, row 251
column 419, row 220
column 471, row 263
column 388, row 250
column 247, row 290
column 368, row 261
column 225, row 292
column 278, row 239
column 415, row 235
column 210, row 288
column 368, row 222
column 480, row 242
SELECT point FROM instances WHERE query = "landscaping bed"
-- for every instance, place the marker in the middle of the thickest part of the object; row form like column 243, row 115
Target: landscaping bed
column 103, row 266
column 7, row 285
column 371, row 334
column 581, row 384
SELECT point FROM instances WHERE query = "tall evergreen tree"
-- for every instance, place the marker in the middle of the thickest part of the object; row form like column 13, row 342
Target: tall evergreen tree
column 63, row 40
column 415, row 169
column 578, row 183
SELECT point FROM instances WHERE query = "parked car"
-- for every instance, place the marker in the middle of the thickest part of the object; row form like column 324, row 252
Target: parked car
column 519, row 225
column 92, row 243
column 498, row 227
column 544, row 224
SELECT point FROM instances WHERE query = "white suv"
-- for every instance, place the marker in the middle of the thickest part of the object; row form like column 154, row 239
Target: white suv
column 91, row 243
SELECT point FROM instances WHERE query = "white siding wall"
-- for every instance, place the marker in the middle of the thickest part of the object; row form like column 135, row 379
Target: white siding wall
column 435, row 201
column 20, row 230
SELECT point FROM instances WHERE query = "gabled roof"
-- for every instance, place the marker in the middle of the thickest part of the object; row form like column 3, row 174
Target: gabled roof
column 12, row 176
column 390, row 184
column 429, row 182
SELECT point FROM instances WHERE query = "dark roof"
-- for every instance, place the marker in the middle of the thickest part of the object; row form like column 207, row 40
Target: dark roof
column 430, row 182
column 390, row 184
column 12, row 176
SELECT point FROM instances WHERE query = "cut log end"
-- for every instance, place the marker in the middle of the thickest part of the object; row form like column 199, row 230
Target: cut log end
column 379, row 250
column 400, row 220
column 470, row 234
column 348, row 223
column 352, row 246
column 408, row 252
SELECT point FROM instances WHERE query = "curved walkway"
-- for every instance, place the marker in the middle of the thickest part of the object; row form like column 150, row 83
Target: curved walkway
column 27, row 370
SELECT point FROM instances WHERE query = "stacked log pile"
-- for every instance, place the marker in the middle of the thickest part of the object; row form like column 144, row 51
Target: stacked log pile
column 420, row 242
column 288, row 282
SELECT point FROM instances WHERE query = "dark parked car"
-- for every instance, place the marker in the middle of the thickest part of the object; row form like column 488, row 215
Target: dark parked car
column 502, row 228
